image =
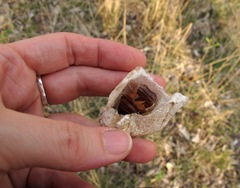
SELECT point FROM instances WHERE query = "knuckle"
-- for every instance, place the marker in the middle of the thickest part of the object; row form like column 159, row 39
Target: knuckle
column 76, row 145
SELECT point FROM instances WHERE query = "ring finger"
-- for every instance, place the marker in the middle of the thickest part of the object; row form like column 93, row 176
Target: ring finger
column 70, row 83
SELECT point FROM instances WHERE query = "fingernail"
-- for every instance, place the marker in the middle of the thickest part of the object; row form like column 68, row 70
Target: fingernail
column 116, row 142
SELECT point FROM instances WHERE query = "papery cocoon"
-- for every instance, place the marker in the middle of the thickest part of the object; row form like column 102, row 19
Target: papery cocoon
column 141, row 124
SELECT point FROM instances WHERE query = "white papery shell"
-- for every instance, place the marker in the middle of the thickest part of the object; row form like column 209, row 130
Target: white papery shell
column 141, row 124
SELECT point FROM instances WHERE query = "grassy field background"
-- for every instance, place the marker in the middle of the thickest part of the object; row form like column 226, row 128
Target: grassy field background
column 193, row 45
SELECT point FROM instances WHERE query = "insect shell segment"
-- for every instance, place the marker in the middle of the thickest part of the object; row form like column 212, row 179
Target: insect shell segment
column 136, row 98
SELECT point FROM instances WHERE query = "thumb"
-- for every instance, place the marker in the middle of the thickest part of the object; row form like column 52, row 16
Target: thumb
column 28, row 141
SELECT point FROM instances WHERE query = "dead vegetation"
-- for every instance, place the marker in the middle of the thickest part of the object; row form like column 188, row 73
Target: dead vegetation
column 194, row 45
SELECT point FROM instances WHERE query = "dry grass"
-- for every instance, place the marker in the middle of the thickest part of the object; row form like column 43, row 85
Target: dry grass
column 194, row 45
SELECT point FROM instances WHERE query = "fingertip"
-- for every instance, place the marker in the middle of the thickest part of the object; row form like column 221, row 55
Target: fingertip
column 140, row 58
column 117, row 142
column 117, row 56
column 160, row 81
column 142, row 151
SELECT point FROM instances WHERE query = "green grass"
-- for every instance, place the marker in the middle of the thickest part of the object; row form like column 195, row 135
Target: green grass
column 194, row 45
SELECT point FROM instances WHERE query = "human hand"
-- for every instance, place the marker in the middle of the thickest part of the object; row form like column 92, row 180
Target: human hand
column 41, row 152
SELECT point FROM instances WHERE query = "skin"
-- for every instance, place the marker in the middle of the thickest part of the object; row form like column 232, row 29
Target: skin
column 46, row 152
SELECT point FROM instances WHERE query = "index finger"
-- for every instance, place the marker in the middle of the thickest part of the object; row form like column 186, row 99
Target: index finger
column 49, row 53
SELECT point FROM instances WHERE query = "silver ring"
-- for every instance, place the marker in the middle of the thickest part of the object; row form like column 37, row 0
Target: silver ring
column 42, row 91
